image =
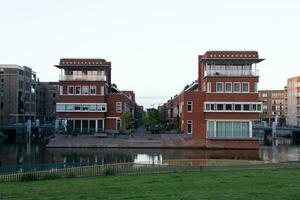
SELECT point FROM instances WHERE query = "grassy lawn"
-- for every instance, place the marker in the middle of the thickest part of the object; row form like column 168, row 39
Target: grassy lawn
column 247, row 184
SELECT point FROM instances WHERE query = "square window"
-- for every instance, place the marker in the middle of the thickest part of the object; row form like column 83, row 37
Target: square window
column 228, row 107
column 238, row 107
column 85, row 90
column 93, row 89
column 245, row 87
column 212, row 106
column 220, row 106
column 228, row 87
column 219, row 87
column 70, row 90
column 78, row 90
column 237, row 87
column 246, row 107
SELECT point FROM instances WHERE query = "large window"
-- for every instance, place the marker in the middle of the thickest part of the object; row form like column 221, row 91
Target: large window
column 189, row 126
column 189, row 106
column 81, row 107
column 219, row 87
column 229, row 129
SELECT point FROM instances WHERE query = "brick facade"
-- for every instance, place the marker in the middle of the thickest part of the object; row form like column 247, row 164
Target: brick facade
column 89, row 99
column 230, row 109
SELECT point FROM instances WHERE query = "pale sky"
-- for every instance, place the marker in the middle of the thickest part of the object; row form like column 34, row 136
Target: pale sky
column 153, row 45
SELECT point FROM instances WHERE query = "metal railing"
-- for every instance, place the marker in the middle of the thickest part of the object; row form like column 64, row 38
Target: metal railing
column 82, row 78
column 232, row 72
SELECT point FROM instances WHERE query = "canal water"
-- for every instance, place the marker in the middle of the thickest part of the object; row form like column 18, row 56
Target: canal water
column 13, row 155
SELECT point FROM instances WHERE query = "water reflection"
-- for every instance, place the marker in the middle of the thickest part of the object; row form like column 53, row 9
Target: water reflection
column 11, row 154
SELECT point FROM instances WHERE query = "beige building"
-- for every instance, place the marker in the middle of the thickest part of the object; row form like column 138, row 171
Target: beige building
column 293, row 101
column 273, row 104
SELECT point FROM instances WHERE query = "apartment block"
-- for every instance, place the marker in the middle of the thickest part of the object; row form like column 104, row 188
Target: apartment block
column 273, row 104
column 88, row 102
column 293, row 101
column 17, row 92
column 219, row 108
column 46, row 97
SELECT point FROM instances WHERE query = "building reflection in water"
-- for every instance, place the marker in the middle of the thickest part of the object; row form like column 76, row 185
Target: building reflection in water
column 12, row 155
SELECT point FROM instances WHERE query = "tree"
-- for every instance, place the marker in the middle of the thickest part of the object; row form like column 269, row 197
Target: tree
column 127, row 120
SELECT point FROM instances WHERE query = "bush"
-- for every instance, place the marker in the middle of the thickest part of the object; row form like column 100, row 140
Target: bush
column 109, row 172
column 50, row 176
column 29, row 177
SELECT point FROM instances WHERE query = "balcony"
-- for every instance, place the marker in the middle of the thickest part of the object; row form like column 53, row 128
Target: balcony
column 82, row 78
column 231, row 72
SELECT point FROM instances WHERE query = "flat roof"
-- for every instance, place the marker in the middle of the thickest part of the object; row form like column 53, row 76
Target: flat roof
column 83, row 62
column 230, row 57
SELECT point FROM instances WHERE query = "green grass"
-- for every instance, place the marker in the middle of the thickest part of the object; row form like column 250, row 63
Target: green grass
column 244, row 184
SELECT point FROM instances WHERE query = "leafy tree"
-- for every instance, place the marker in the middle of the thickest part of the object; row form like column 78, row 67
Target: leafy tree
column 127, row 120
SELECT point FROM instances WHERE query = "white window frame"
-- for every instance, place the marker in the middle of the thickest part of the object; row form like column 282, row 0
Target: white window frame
column 217, row 87
column 233, row 88
column 230, row 87
column 256, row 87
column 94, row 87
column 189, row 122
column 118, row 107
column 189, row 103
column 70, row 107
column 61, row 90
column 118, row 119
column 102, row 90
column 70, row 86
column 88, row 90
column 76, row 86
column 243, row 87
column 228, row 120
column 208, row 87
column 258, row 105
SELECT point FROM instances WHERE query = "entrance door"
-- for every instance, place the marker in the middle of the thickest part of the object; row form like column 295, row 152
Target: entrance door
column 100, row 125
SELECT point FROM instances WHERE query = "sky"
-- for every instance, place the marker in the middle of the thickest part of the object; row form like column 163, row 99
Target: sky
column 153, row 45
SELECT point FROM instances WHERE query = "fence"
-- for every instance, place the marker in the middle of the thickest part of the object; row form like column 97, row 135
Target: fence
column 142, row 168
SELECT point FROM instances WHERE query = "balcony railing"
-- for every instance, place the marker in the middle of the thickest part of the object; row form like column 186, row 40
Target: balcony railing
column 231, row 73
column 82, row 78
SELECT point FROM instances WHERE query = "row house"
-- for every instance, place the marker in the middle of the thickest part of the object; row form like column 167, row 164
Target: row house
column 88, row 101
column 219, row 108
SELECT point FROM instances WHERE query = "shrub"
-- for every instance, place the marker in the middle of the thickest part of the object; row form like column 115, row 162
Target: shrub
column 109, row 172
column 50, row 176
column 29, row 177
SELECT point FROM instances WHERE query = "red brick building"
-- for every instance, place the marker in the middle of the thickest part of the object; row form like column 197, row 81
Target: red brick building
column 219, row 108
column 88, row 101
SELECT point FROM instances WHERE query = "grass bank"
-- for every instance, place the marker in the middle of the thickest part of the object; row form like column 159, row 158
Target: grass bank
column 244, row 184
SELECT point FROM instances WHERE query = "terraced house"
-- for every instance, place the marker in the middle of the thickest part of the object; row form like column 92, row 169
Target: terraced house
column 88, row 101
column 218, row 109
